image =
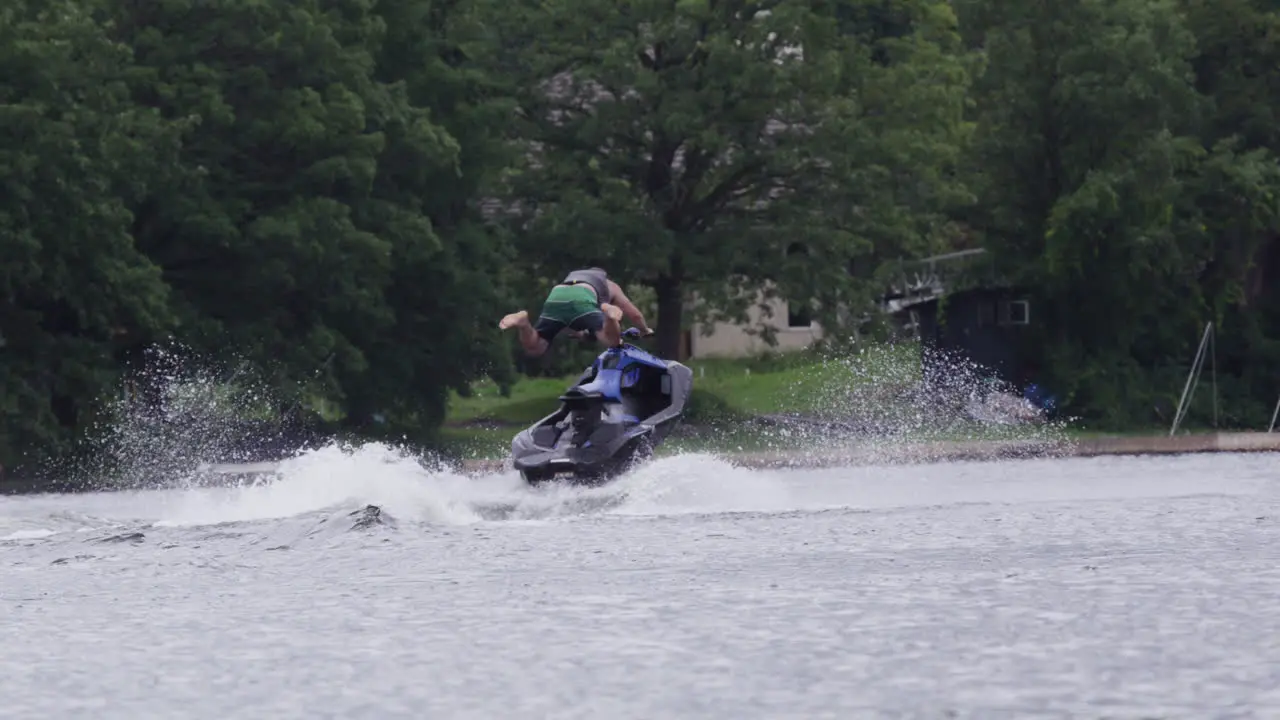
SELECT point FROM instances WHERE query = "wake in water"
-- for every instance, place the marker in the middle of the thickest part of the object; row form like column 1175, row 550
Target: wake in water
column 377, row 474
column 150, row 455
column 196, row 412
column 337, row 481
column 333, row 491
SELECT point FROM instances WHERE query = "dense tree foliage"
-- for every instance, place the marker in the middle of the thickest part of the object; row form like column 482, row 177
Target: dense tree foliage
column 316, row 228
column 75, row 153
column 345, row 195
column 688, row 146
column 1110, row 183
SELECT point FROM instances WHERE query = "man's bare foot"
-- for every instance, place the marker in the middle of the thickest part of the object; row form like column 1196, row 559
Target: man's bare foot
column 514, row 319
column 613, row 311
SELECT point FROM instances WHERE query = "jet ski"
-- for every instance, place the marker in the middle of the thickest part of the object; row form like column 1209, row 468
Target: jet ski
column 616, row 414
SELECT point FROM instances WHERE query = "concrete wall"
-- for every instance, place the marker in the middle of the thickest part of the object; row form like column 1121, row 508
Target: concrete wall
column 730, row 340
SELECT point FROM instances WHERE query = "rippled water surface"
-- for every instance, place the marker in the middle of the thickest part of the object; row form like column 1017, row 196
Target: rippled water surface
column 1109, row 587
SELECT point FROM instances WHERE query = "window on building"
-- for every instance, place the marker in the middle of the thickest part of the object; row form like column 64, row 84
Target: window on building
column 799, row 315
column 1015, row 312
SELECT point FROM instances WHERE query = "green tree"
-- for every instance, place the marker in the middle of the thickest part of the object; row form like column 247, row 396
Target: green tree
column 75, row 292
column 1099, row 192
column 1239, row 49
column 1238, row 44
column 317, row 227
column 446, row 301
column 689, row 146
column 259, row 237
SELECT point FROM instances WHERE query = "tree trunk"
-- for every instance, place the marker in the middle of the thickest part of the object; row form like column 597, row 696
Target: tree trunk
column 670, row 315
column 1263, row 272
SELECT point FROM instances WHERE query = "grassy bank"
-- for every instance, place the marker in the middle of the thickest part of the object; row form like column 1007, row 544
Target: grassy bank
column 728, row 394
column 723, row 388
column 731, row 396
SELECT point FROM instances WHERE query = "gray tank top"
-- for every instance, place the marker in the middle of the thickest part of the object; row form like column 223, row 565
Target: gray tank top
column 595, row 277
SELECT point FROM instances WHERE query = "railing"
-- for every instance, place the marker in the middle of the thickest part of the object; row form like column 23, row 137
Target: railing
column 928, row 278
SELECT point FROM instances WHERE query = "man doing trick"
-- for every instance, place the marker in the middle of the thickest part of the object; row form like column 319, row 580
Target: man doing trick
column 586, row 302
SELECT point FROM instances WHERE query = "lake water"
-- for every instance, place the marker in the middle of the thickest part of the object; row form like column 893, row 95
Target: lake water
column 1105, row 587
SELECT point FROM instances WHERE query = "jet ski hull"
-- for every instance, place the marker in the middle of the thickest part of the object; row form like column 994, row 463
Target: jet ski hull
column 621, row 409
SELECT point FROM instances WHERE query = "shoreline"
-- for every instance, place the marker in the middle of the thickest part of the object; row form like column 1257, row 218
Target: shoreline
column 889, row 453
column 974, row 450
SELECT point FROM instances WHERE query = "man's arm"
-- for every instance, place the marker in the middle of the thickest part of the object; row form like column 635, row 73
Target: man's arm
column 628, row 308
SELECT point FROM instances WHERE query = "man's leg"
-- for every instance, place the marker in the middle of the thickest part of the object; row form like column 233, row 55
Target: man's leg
column 611, row 333
column 533, row 343
column 602, row 323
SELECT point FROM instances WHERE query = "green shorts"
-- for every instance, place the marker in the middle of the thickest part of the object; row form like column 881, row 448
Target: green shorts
column 570, row 306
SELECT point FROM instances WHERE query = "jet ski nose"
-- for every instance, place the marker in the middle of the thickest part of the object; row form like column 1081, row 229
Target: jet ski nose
column 579, row 394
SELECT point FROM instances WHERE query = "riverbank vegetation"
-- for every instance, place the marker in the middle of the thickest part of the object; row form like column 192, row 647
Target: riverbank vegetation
column 340, row 198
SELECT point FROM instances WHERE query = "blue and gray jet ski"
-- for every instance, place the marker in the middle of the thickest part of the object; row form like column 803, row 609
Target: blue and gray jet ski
column 613, row 417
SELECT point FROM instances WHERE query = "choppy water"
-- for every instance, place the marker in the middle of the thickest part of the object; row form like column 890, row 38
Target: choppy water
column 1108, row 587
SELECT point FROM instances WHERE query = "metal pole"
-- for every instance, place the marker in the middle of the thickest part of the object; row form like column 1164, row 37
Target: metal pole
column 1274, row 415
column 1213, row 365
column 1191, row 376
